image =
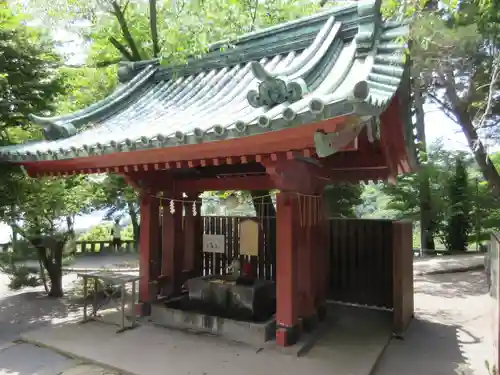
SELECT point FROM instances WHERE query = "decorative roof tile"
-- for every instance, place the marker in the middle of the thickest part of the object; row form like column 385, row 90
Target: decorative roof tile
column 336, row 63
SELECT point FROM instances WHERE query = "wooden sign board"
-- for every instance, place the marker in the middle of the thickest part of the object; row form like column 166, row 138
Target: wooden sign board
column 249, row 237
column 214, row 243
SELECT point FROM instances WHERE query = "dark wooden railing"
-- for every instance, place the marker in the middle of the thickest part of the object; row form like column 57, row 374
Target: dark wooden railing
column 216, row 264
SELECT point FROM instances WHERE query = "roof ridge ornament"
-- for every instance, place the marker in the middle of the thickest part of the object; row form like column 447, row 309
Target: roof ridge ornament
column 127, row 70
column 370, row 21
column 55, row 131
column 359, row 93
column 273, row 90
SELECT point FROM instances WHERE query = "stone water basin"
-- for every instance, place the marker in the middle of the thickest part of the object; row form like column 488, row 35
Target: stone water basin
column 224, row 293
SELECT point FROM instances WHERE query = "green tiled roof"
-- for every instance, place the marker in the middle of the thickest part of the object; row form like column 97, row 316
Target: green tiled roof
column 340, row 62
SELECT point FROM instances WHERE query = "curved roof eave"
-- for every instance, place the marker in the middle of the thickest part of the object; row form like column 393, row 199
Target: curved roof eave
column 339, row 73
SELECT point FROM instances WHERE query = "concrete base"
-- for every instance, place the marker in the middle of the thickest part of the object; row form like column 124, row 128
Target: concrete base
column 246, row 332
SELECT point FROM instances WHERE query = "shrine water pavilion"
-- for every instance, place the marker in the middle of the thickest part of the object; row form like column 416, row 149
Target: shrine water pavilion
column 296, row 107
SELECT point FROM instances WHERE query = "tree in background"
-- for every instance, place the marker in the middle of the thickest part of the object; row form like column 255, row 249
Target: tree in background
column 405, row 197
column 459, row 215
column 456, row 53
column 115, row 196
column 341, row 199
column 40, row 210
column 47, row 210
column 29, row 80
column 29, row 83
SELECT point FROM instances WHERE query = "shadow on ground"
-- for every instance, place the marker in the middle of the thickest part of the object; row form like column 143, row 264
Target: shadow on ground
column 451, row 333
column 428, row 348
column 30, row 310
column 452, row 285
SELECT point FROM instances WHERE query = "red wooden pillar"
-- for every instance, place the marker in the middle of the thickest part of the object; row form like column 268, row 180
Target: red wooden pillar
column 322, row 260
column 286, row 270
column 173, row 239
column 193, row 236
column 149, row 248
column 306, row 258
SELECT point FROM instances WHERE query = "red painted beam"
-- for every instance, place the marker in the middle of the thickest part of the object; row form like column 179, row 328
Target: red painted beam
column 270, row 142
column 225, row 183
column 360, row 175
column 154, row 181
column 354, row 160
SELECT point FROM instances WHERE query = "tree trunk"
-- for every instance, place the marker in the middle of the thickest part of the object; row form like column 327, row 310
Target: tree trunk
column 56, row 288
column 134, row 220
column 70, row 223
column 14, row 238
column 52, row 264
column 461, row 113
column 55, row 271
column 484, row 162
column 119, row 13
column 43, row 276
column 426, row 227
column 267, row 214
column 153, row 25
column 13, row 226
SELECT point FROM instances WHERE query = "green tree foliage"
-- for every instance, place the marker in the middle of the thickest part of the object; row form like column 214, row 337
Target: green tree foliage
column 459, row 215
column 183, row 28
column 29, row 80
column 374, row 203
column 102, row 232
column 118, row 198
column 405, row 196
column 456, row 56
column 38, row 209
column 341, row 200
column 46, row 208
column 84, row 86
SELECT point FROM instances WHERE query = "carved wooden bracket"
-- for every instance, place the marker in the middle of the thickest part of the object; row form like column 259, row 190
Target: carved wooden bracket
column 152, row 182
column 297, row 175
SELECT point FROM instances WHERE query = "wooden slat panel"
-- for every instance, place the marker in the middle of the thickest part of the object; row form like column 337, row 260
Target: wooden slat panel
column 229, row 225
column 217, row 257
column 361, row 262
column 205, row 256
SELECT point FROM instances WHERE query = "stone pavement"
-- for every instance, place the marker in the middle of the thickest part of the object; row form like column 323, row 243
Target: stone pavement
column 113, row 262
column 30, row 309
column 351, row 345
column 452, row 330
column 448, row 263
column 29, row 359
